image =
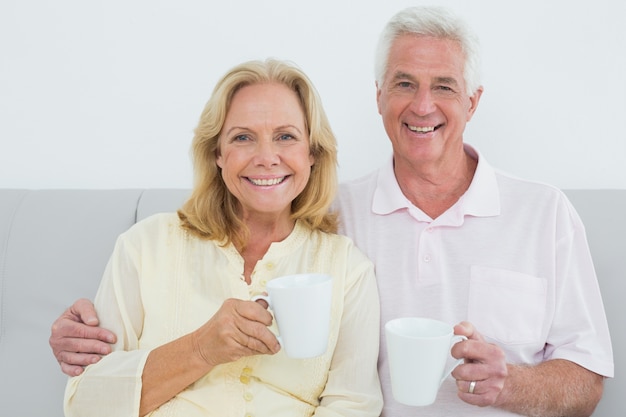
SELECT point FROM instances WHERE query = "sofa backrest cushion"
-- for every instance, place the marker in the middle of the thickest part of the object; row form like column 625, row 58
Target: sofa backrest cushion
column 54, row 245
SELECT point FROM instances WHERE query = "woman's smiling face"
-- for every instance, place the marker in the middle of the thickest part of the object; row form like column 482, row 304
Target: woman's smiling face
column 264, row 149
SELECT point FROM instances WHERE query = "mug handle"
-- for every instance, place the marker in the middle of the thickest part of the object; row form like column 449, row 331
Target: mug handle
column 266, row 298
column 455, row 339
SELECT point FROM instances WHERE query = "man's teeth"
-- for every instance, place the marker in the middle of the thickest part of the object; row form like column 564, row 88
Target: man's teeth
column 422, row 129
column 271, row 181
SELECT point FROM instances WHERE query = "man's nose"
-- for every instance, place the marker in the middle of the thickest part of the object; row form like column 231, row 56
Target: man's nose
column 422, row 102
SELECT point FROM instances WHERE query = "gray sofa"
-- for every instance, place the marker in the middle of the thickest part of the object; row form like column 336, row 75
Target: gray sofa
column 54, row 245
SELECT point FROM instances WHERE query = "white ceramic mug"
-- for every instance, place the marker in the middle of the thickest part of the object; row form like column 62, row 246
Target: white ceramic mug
column 301, row 305
column 418, row 350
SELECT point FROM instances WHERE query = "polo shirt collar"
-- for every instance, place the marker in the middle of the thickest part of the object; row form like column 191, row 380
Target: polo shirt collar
column 482, row 198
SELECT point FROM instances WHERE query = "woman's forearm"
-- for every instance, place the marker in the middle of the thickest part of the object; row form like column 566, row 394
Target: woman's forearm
column 176, row 362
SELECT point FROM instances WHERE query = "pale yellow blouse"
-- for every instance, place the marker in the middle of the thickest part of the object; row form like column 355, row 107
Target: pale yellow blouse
column 162, row 283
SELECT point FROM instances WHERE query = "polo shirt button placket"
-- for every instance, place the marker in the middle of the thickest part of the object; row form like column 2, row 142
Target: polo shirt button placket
column 426, row 256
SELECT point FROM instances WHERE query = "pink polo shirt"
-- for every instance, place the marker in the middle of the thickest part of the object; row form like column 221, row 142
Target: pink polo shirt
column 511, row 256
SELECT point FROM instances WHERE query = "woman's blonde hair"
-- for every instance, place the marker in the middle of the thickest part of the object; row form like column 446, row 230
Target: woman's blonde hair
column 212, row 212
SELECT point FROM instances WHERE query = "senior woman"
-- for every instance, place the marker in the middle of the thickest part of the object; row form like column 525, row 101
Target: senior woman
column 177, row 288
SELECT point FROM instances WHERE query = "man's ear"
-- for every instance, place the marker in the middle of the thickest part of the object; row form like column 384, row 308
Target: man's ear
column 377, row 97
column 474, row 99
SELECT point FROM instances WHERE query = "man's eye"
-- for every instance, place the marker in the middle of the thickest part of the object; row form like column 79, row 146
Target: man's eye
column 444, row 88
column 404, row 84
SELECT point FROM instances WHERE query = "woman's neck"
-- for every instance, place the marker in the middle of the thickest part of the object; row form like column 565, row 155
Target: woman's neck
column 261, row 237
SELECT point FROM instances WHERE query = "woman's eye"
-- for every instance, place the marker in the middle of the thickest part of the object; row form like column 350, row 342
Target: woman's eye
column 240, row 138
column 285, row 136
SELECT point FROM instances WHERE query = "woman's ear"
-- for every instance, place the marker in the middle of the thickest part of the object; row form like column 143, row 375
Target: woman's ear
column 218, row 158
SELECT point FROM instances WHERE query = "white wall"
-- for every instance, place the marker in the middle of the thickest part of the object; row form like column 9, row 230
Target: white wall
column 105, row 94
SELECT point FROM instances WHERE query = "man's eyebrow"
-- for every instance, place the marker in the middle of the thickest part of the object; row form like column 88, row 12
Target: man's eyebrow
column 447, row 80
column 402, row 76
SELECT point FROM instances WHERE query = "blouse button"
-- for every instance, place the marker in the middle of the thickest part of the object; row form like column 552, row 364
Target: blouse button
column 244, row 378
column 248, row 396
column 269, row 266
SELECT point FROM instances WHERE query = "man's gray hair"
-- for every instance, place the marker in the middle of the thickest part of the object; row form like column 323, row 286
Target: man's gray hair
column 437, row 22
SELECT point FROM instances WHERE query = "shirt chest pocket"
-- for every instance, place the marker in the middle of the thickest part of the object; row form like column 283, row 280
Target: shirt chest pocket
column 507, row 306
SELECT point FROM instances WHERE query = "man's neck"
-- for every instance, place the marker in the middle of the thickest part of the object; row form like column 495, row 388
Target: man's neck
column 435, row 187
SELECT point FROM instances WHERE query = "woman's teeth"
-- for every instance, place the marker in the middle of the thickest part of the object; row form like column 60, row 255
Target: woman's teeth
column 270, row 181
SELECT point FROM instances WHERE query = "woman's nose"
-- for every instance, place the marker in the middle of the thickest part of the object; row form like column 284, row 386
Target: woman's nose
column 267, row 154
